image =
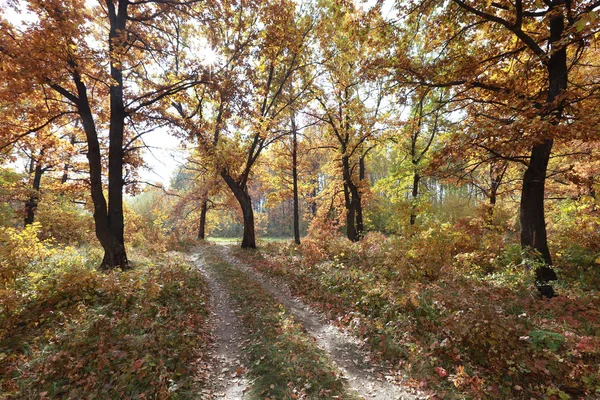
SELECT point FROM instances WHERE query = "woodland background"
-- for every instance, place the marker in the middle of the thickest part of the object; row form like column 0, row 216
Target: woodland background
column 423, row 165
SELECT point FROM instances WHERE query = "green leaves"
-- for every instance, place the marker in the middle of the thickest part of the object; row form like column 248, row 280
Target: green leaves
column 541, row 339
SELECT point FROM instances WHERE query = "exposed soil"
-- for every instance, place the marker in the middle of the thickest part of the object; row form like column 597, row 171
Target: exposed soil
column 228, row 373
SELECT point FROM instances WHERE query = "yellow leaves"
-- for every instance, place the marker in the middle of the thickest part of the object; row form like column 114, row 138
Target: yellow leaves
column 23, row 246
column 262, row 126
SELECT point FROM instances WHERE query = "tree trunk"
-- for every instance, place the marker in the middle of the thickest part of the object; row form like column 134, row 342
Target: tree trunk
column 360, row 226
column 415, row 194
column 202, row 228
column 116, row 256
column 114, row 251
column 313, row 201
column 65, row 175
column 32, row 203
column 354, row 223
column 533, row 224
column 241, row 194
column 350, row 215
column 295, row 182
column 492, row 204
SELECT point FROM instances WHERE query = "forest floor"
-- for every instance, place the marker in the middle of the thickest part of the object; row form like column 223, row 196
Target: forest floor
column 326, row 320
column 272, row 345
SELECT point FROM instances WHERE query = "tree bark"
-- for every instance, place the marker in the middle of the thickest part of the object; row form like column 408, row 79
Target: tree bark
column 240, row 191
column 114, row 252
column 415, row 194
column 492, row 205
column 202, row 227
column 360, row 226
column 32, row 203
column 116, row 256
column 354, row 222
column 350, row 215
column 295, row 182
column 533, row 224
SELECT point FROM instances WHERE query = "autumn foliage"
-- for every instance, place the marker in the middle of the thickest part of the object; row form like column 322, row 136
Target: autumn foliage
column 436, row 163
column 70, row 331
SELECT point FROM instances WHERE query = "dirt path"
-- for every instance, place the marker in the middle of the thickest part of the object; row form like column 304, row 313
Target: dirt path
column 367, row 379
column 229, row 382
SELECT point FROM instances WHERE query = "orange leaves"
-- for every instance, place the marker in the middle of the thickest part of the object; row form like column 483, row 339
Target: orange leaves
column 464, row 381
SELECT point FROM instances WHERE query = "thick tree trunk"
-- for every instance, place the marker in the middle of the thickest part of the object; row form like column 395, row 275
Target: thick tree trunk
column 116, row 255
column 533, row 224
column 114, row 250
column 295, row 182
column 202, row 227
column 241, row 194
column 32, row 203
column 415, row 194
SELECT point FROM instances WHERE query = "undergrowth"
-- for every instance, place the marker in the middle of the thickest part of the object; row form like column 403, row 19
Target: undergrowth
column 459, row 318
column 69, row 331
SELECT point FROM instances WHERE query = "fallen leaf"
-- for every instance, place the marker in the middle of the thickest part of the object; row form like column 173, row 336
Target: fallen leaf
column 441, row 372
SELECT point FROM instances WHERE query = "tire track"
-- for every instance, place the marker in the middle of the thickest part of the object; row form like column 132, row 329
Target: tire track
column 229, row 382
column 343, row 350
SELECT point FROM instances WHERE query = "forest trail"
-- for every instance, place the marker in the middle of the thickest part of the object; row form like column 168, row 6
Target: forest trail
column 229, row 335
column 344, row 352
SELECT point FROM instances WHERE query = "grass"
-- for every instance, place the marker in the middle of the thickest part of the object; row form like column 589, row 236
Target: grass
column 237, row 240
column 284, row 361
